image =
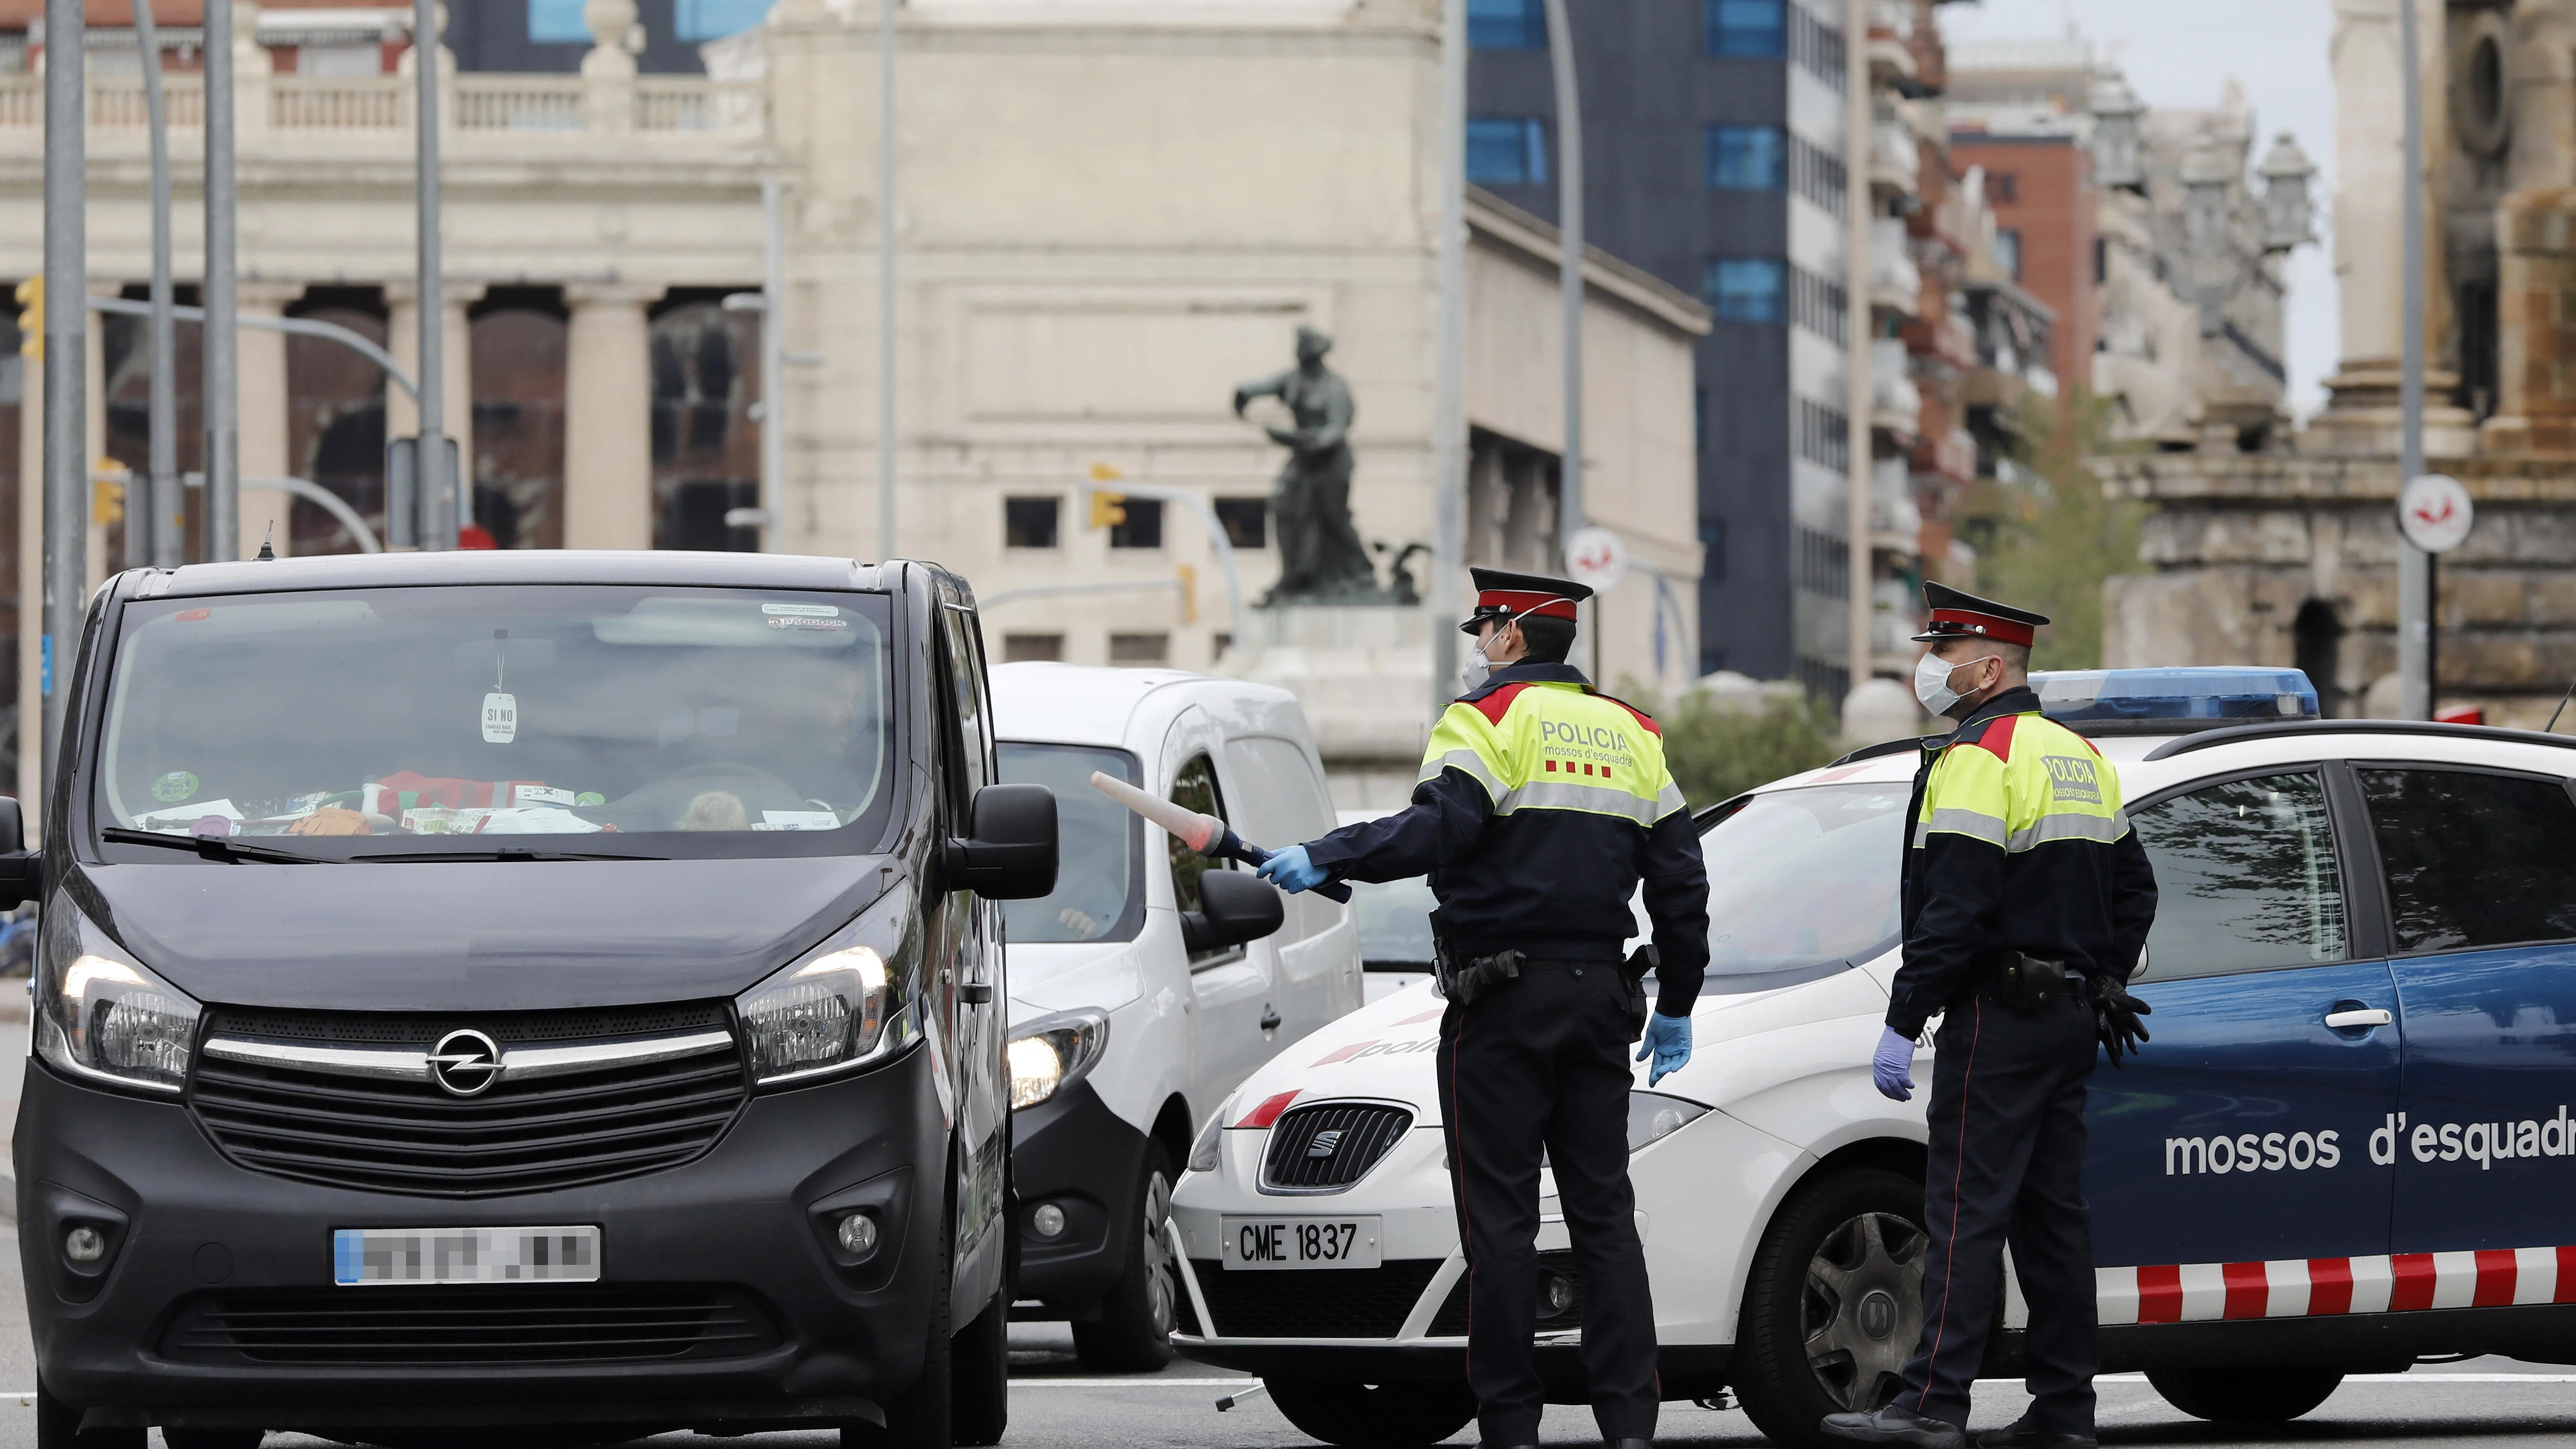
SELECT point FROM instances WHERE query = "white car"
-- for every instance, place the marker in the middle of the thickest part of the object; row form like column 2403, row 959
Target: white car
column 1151, row 980
column 2347, row 1145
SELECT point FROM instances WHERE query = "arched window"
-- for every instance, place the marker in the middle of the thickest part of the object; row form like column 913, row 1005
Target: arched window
column 520, row 348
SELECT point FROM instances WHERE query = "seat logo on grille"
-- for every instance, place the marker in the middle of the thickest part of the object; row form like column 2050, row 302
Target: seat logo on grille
column 465, row 1062
column 1325, row 1142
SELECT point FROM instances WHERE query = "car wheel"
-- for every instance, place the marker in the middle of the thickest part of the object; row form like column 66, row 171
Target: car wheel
column 1133, row 1334
column 1394, row 1415
column 919, row 1417
column 980, row 1369
column 58, row 1427
column 2245, row 1395
column 1834, row 1304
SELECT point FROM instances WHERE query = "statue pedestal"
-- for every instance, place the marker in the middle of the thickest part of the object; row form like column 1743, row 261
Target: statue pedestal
column 1362, row 675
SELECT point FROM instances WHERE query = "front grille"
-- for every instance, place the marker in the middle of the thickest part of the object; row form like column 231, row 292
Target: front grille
column 535, row 1135
column 1330, row 1145
column 1313, row 1302
column 468, row 1324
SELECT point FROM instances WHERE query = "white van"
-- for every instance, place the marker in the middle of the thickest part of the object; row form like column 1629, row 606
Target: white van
column 1152, row 981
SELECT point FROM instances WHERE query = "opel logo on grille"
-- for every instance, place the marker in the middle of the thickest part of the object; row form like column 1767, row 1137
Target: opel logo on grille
column 1324, row 1143
column 465, row 1062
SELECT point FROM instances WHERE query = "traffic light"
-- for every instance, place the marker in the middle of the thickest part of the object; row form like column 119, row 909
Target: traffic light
column 1107, row 509
column 31, row 318
column 1189, row 594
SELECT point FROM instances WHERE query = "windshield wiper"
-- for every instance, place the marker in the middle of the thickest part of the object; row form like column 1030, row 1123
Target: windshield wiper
column 211, row 847
column 505, row 853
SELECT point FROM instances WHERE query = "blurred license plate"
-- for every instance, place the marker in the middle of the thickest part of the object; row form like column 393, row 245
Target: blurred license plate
column 1300, row 1242
column 364, row 1256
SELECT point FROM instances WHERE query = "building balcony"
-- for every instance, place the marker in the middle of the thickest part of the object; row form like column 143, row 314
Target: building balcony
column 1895, row 282
column 1895, row 163
column 1891, row 42
column 1896, row 405
column 1948, row 457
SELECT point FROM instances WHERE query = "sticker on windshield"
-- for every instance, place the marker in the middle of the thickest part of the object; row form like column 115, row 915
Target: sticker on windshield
column 798, row 820
column 174, row 787
column 808, row 611
column 500, row 718
column 805, row 621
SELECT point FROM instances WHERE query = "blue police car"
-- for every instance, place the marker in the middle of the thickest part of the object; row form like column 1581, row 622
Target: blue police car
column 2351, row 1144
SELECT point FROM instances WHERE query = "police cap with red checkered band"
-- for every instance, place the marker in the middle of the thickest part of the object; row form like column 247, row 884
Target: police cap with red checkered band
column 1507, row 596
column 1956, row 615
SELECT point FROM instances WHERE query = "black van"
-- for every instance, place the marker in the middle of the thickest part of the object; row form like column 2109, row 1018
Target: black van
column 635, row 1065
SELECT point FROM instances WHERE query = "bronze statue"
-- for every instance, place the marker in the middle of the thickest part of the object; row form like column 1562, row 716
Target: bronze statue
column 1321, row 560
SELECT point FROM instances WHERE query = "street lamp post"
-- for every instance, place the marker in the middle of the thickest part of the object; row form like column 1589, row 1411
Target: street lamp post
column 1569, row 271
column 885, row 277
column 1449, row 386
column 2414, row 565
column 66, row 326
column 221, row 382
column 152, row 521
column 435, row 502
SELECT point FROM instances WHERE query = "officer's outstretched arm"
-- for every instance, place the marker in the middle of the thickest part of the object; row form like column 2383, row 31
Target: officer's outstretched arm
column 2133, row 900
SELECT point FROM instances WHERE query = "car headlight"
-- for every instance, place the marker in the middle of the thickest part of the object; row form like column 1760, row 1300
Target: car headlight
column 1208, row 1152
column 101, row 1014
column 1051, row 1053
column 1652, row 1117
column 844, row 1005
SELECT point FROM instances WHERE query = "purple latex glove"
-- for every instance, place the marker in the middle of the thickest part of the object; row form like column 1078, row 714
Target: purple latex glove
column 1891, row 1067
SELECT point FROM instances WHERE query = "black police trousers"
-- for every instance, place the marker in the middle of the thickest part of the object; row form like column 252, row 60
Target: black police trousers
column 1542, row 1062
column 2007, row 1163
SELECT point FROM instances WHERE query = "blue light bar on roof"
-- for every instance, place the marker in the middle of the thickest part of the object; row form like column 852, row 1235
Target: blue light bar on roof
column 2245, row 694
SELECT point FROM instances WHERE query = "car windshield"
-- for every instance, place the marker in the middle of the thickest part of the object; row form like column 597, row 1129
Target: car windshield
column 651, row 721
column 1800, row 878
column 1099, row 853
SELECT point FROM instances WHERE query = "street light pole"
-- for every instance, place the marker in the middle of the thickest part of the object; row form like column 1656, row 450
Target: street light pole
column 1569, row 273
column 773, row 365
column 435, row 493
column 885, row 277
column 1449, row 381
column 66, row 556
column 222, row 373
column 152, row 521
column 2414, row 565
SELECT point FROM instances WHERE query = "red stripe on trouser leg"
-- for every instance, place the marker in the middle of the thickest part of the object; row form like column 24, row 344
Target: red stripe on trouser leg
column 2329, row 1285
column 2160, row 1294
column 2413, row 1281
column 2566, row 1276
column 2247, row 1291
column 2495, row 1278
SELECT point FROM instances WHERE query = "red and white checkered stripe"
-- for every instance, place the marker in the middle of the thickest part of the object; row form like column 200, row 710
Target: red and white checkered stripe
column 2316, row 1287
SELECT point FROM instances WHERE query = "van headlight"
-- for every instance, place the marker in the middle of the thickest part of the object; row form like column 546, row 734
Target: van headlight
column 841, row 1006
column 100, row 1014
column 1051, row 1053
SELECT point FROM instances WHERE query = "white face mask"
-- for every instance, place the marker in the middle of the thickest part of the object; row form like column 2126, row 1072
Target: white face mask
column 1475, row 668
column 1932, row 681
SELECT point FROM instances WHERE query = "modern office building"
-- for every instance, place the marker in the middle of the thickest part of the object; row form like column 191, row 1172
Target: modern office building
column 1714, row 159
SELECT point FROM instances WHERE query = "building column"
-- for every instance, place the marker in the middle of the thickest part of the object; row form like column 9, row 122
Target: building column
column 456, row 358
column 608, row 417
column 261, row 379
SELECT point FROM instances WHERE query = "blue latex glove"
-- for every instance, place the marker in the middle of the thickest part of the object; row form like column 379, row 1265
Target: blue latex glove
column 1892, row 1067
column 1292, row 872
column 1668, row 1041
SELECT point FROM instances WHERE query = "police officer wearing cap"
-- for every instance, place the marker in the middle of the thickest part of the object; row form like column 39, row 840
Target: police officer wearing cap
column 1541, row 806
column 2026, row 900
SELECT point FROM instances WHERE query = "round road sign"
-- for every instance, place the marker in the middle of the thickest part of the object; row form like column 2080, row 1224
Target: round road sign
column 1598, row 557
column 2434, row 512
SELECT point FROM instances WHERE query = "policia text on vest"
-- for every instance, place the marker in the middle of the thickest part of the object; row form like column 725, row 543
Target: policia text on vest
column 1542, row 807
column 2026, row 898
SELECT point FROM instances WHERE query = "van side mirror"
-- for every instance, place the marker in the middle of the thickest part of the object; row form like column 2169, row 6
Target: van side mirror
column 19, row 866
column 1011, row 855
column 1235, row 908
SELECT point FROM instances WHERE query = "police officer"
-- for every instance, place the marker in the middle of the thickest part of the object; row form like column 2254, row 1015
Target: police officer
column 2026, row 900
column 1541, row 805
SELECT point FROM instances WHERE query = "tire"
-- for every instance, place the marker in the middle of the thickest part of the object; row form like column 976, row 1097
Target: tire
column 2246, row 1395
column 1398, row 1414
column 58, row 1427
column 920, row 1416
column 1834, row 1305
column 980, row 1370
column 179, row 1438
column 1133, row 1334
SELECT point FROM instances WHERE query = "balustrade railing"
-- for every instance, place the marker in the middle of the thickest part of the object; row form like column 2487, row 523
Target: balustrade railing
column 338, row 103
column 518, row 103
column 484, row 104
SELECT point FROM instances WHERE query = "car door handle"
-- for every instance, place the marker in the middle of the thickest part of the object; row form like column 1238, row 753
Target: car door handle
column 2356, row 1017
column 975, row 993
column 1270, row 1020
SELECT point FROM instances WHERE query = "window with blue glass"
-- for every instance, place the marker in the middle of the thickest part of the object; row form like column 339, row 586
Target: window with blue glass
column 699, row 20
column 1506, row 25
column 1506, row 150
column 556, row 22
column 1747, row 158
column 1747, row 289
column 1747, row 29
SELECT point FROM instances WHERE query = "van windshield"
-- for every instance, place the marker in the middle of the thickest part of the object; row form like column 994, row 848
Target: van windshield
column 1803, row 878
column 374, row 723
column 1099, row 855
